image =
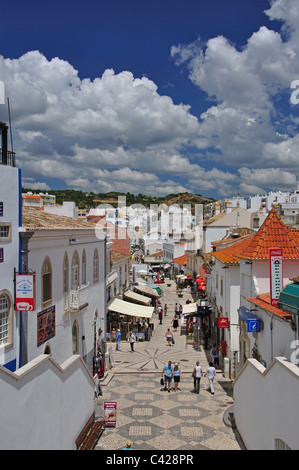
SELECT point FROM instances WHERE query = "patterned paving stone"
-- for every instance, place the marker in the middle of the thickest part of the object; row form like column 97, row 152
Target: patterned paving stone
column 158, row 420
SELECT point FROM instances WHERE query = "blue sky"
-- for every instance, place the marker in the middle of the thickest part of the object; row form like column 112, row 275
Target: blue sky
column 159, row 97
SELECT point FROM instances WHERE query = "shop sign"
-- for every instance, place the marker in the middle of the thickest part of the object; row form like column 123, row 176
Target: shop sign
column 253, row 326
column 110, row 413
column 25, row 292
column 276, row 278
column 223, row 322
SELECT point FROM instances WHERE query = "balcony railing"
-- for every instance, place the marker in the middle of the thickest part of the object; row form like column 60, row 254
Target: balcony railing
column 78, row 297
column 7, row 157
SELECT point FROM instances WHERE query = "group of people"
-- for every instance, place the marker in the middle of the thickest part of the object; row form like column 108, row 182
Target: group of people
column 131, row 339
column 173, row 372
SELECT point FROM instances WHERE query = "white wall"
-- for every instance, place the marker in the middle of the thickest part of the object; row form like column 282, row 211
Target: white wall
column 266, row 404
column 55, row 244
column 45, row 406
column 9, row 195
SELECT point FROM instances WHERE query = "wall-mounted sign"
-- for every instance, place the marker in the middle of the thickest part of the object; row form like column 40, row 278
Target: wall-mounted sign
column 25, row 292
column 223, row 322
column 276, row 277
column 45, row 325
column 253, row 326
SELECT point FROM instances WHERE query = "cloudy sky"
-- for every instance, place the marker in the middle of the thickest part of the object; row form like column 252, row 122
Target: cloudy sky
column 153, row 97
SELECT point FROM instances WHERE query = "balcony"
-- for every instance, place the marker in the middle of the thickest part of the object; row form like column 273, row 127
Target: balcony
column 7, row 157
column 78, row 297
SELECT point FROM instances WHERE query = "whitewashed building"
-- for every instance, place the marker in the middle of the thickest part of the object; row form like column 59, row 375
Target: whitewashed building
column 10, row 219
column 68, row 259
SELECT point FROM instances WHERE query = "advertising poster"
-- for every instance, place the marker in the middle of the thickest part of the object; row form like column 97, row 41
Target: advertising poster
column 110, row 413
column 25, row 292
column 276, row 278
column 45, row 325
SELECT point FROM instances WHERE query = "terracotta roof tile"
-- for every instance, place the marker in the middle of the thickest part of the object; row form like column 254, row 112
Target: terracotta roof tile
column 263, row 301
column 230, row 255
column 273, row 234
column 181, row 260
column 33, row 218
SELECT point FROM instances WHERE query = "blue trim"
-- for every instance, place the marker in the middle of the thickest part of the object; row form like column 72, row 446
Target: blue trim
column 20, row 264
column 245, row 315
column 11, row 365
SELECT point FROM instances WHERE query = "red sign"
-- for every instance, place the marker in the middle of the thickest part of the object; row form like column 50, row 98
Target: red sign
column 25, row 292
column 110, row 413
column 223, row 322
column 276, row 277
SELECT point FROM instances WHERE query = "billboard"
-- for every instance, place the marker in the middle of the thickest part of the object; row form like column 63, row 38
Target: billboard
column 25, row 292
column 276, row 277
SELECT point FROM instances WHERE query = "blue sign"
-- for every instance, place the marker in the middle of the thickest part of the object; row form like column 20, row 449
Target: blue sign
column 253, row 326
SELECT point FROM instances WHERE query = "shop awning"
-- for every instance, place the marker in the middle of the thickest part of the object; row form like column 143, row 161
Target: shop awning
column 130, row 295
column 289, row 299
column 190, row 309
column 128, row 308
column 146, row 290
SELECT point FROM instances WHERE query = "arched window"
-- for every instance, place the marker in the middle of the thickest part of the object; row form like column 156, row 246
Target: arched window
column 84, row 268
column 65, row 282
column 75, row 271
column 46, row 281
column 75, row 336
column 5, row 320
column 95, row 266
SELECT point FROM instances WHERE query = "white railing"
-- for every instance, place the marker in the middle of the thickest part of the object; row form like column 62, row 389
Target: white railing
column 78, row 297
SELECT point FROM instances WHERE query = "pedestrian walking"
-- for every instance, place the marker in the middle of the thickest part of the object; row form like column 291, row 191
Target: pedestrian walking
column 131, row 340
column 175, row 323
column 160, row 314
column 196, row 374
column 165, row 310
column 169, row 336
column 168, row 374
column 210, row 374
column 180, row 310
column 176, row 309
column 214, row 353
column 177, row 374
column 118, row 338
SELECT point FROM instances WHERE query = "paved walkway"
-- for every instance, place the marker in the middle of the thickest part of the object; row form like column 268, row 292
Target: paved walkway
column 157, row 420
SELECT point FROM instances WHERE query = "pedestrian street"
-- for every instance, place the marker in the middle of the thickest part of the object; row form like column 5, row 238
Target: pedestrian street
column 154, row 419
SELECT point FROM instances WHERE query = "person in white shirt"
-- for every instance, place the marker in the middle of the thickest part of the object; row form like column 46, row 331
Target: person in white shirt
column 196, row 374
column 211, row 373
column 132, row 340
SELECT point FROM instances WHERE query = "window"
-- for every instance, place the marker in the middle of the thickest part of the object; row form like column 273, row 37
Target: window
column 65, row 282
column 75, row 338
column 75, row 271
column 4, row 319
column 1, row 255
column 46, row 281
column 281, row 445
column 5, row 232
column 1, row 209
column 84, row 268
column 95, row 266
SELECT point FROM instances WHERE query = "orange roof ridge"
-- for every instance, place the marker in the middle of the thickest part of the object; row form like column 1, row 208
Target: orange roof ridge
column 230, row 255
column 273, row 233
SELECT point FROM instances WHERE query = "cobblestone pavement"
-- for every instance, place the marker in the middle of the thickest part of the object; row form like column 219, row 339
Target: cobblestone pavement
column 157, row 420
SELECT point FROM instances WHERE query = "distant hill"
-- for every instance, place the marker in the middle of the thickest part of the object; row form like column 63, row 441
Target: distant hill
column 86, row 200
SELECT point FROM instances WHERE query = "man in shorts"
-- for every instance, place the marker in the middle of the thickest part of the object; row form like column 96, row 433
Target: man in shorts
column 168, row 374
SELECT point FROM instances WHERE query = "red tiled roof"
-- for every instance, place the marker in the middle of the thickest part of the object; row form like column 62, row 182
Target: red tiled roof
column 263, row 301
column 181, row 260
column 230, row 255
column 272, row 234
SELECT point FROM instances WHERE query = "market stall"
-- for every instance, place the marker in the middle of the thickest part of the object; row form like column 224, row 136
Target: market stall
column 128, row 316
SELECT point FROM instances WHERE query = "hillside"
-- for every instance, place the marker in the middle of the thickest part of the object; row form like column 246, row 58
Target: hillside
column 88, row 200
